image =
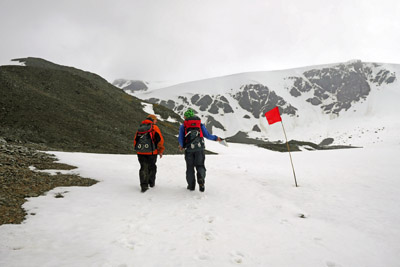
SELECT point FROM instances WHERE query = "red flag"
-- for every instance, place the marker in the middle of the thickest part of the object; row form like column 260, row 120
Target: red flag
column 273, row 115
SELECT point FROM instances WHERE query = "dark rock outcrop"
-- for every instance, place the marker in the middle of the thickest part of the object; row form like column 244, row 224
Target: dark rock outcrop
column 258, row 99
column 338, row 88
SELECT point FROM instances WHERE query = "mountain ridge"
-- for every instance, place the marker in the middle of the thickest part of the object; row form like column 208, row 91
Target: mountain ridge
column 320, row 97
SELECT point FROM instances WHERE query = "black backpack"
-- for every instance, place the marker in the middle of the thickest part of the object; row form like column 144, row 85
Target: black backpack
column 145, row 138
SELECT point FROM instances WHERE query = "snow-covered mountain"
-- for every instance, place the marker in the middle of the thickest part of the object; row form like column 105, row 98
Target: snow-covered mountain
column 133, row 86
column 355, row 103
column 130, row 86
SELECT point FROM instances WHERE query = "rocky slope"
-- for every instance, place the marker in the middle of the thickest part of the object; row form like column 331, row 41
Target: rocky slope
column 65, row 108
column 20, row 178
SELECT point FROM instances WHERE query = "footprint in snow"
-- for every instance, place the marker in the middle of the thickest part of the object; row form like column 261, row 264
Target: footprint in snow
column 237, row 257
column 201, row 196
column 203, row 257
column 145, row 229
column 332, row 264
column 210, row 219
column 129, row 243
column 144, row 214
column 192, row 206
column 209, row 235
column 263, row 183
column 301, row 215
column 284, row 221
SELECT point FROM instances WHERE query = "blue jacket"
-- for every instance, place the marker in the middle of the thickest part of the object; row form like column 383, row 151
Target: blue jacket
column 206, row 134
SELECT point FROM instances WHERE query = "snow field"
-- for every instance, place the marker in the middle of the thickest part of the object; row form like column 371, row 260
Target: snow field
column 344, row 212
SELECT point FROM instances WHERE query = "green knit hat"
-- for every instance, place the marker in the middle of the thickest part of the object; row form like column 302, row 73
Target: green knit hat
column 189, row 113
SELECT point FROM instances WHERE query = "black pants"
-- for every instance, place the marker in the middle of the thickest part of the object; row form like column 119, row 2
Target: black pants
column 148, row 170
column 195, row 160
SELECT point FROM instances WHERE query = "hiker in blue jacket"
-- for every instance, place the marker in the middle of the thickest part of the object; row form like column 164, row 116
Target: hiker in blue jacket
column 191, row 139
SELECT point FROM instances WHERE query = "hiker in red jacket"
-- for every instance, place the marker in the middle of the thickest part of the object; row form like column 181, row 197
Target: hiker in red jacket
column 148, row 143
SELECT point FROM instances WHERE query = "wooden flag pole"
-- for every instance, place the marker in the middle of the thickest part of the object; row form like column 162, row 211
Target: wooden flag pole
column 287, row 143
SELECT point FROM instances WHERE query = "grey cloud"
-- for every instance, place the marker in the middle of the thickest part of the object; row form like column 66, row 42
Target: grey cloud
column 188, row 40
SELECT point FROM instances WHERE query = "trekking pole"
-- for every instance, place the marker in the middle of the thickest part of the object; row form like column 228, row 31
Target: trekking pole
column 287, row 144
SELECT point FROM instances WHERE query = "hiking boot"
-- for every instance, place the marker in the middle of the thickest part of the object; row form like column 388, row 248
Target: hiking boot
column 190, row 188
column 202, row 188
column 152, row 184
column 144, row 189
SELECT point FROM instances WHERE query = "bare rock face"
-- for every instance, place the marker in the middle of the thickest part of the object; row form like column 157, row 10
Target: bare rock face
column 258, row 99
column 338, row 88
column 211, row 122
column 213, row 104
column 130, row 86
column 220, row 103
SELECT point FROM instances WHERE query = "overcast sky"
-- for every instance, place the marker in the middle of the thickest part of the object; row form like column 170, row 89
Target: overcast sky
column 184, row 40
